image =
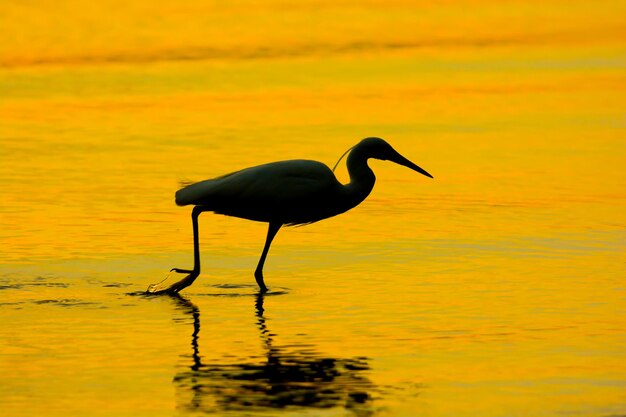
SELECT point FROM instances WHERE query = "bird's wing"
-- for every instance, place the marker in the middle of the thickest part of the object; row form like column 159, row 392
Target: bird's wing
column 264, row 186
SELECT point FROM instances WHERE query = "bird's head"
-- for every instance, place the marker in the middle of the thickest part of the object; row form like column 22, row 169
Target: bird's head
column 378, row 148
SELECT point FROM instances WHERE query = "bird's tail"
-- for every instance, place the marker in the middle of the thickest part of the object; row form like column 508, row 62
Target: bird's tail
column 187, row 194
column 183, row 196
column 185, row 182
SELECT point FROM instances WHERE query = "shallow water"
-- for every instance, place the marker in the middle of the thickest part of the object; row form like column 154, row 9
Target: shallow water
column 496, row 289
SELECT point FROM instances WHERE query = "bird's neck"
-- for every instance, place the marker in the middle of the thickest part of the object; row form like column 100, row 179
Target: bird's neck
column 362, row 178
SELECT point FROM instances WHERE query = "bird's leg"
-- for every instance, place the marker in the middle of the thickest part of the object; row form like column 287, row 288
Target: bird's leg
column 258, row 273
column 192, row 273
column 195, row 272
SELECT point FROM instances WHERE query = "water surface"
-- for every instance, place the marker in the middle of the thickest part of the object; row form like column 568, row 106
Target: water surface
column 495, row 289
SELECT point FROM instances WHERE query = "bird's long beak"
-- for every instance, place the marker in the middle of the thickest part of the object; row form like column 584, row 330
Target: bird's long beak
column 401, row 160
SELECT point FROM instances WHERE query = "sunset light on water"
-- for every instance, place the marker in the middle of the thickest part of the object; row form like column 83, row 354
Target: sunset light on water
column 494, row 289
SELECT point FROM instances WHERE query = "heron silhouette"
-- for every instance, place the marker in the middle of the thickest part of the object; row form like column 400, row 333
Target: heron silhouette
column 294, row 192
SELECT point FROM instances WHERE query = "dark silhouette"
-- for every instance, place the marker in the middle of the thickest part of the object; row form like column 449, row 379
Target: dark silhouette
column 288, row 193
column 286, row 378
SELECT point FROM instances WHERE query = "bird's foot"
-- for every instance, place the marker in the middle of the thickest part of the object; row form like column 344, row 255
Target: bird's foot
column 176, row 287
column 181, row 271
column 259, row 280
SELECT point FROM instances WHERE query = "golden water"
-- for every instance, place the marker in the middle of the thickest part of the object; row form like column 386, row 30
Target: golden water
column 496, row 289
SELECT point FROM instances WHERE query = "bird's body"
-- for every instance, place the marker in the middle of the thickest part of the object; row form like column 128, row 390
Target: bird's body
column 283, row 193
column 288, row 192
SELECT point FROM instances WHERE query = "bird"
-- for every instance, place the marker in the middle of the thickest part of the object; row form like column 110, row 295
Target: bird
column 284, row 193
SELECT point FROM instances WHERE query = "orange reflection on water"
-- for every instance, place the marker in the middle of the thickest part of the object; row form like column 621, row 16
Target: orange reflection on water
column 500, row 280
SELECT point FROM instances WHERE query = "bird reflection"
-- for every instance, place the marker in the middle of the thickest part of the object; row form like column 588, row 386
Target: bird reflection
column 285, row 378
